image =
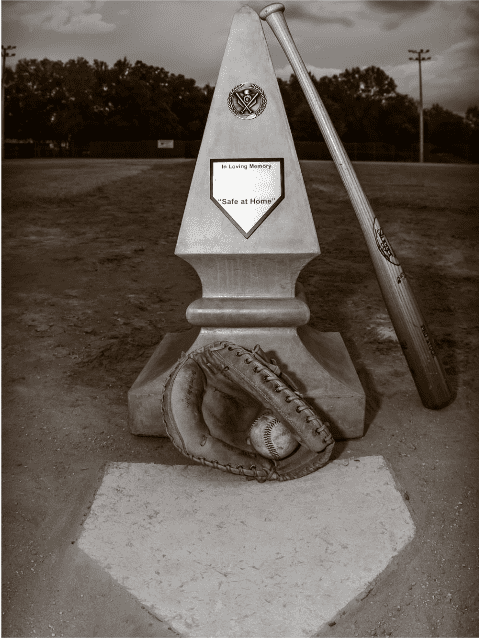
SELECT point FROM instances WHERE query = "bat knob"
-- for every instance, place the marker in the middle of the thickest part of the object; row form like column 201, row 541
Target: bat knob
column 271, row 8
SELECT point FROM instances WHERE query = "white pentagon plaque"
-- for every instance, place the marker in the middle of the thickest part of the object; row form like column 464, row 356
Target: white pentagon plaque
column 247, row 190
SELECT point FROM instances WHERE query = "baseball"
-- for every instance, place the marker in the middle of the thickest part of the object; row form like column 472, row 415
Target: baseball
column 271, row 438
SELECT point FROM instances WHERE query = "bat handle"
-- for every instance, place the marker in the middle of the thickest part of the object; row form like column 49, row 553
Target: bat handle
column 273, row 15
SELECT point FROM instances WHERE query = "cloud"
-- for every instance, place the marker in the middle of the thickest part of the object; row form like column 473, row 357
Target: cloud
column 397, row 12
column 471, row 27
column 314, row 13
column 400, row 6
column 320, row 14
column 472, row 19
column 449, row 78
column 72, row 16
column 318, row 72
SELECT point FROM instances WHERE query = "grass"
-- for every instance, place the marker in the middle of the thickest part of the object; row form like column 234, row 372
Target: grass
column 54, row 178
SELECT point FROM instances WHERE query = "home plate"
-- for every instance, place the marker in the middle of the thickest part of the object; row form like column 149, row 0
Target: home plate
column 215, row 555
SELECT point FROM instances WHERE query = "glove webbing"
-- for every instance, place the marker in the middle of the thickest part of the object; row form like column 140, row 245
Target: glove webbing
column 258, row 355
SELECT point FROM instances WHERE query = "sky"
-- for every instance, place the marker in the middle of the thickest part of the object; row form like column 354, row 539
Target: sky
column 189, row 38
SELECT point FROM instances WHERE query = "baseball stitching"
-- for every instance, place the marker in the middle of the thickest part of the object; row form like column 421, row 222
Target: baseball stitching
column 267, row 438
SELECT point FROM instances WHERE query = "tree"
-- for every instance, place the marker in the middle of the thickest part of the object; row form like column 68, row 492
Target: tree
column 301, row 120
column 472, row 121
column 367, row 94
column 190, row 103
column 78, row 101
column 371, row 83
column 398, row 123
column 360, row 102
column 32, row 99
column 444, row 128
column 75, row 114
column 472, row 117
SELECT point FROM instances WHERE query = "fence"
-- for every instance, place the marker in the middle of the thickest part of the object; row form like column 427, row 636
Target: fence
column 145, row 148
column 372, row 151
column 25, row 149
column 189, row 149
column 19, row 150
column 365, row 151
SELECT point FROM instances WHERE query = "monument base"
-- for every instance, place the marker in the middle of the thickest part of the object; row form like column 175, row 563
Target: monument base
column 317, row 362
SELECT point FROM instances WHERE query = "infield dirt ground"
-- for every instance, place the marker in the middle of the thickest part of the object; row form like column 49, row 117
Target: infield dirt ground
column 90, row 286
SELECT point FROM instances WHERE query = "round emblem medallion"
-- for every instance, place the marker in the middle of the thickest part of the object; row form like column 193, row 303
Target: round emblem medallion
column 247, row 101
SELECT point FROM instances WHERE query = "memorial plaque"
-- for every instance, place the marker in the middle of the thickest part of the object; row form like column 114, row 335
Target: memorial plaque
column 247, row 190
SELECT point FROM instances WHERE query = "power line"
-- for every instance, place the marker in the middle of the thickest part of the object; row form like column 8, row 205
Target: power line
column 420, row 58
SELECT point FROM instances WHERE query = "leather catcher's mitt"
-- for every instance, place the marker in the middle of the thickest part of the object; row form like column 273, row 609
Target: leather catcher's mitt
column 215, row 393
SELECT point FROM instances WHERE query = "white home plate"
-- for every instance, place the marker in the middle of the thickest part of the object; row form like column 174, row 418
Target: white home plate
column 215, row 555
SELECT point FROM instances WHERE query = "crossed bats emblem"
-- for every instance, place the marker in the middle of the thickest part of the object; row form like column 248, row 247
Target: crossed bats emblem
column 247, row 96
column 247, row 101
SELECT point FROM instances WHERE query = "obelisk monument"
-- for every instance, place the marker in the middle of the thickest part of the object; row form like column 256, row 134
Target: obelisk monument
column 247, row 229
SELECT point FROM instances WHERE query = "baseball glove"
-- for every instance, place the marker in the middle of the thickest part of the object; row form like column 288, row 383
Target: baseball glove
column 215, row 393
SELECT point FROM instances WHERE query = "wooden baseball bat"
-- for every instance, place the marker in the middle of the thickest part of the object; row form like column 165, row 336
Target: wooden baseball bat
column 411, row 329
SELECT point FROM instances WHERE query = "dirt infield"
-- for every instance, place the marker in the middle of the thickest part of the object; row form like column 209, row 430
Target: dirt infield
column 91, row 285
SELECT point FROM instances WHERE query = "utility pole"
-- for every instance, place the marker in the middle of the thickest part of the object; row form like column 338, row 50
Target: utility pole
column 5, row 55
column 420, row 58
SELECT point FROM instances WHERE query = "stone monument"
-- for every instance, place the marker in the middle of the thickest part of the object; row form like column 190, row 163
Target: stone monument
column 248, row 231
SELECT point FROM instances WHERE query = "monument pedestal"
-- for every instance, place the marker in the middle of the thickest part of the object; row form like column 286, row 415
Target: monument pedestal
column 317, row 362
column 248, row 231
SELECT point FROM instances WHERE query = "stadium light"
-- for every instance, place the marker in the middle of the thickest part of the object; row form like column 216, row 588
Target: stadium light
column 420, row 58
column 5, row 54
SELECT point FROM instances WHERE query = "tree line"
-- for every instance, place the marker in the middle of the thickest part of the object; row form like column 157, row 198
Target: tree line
column 365, row 106
column 78, row 101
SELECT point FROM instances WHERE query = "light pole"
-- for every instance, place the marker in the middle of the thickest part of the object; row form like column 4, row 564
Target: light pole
column 5, row 55
column 420, row 58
